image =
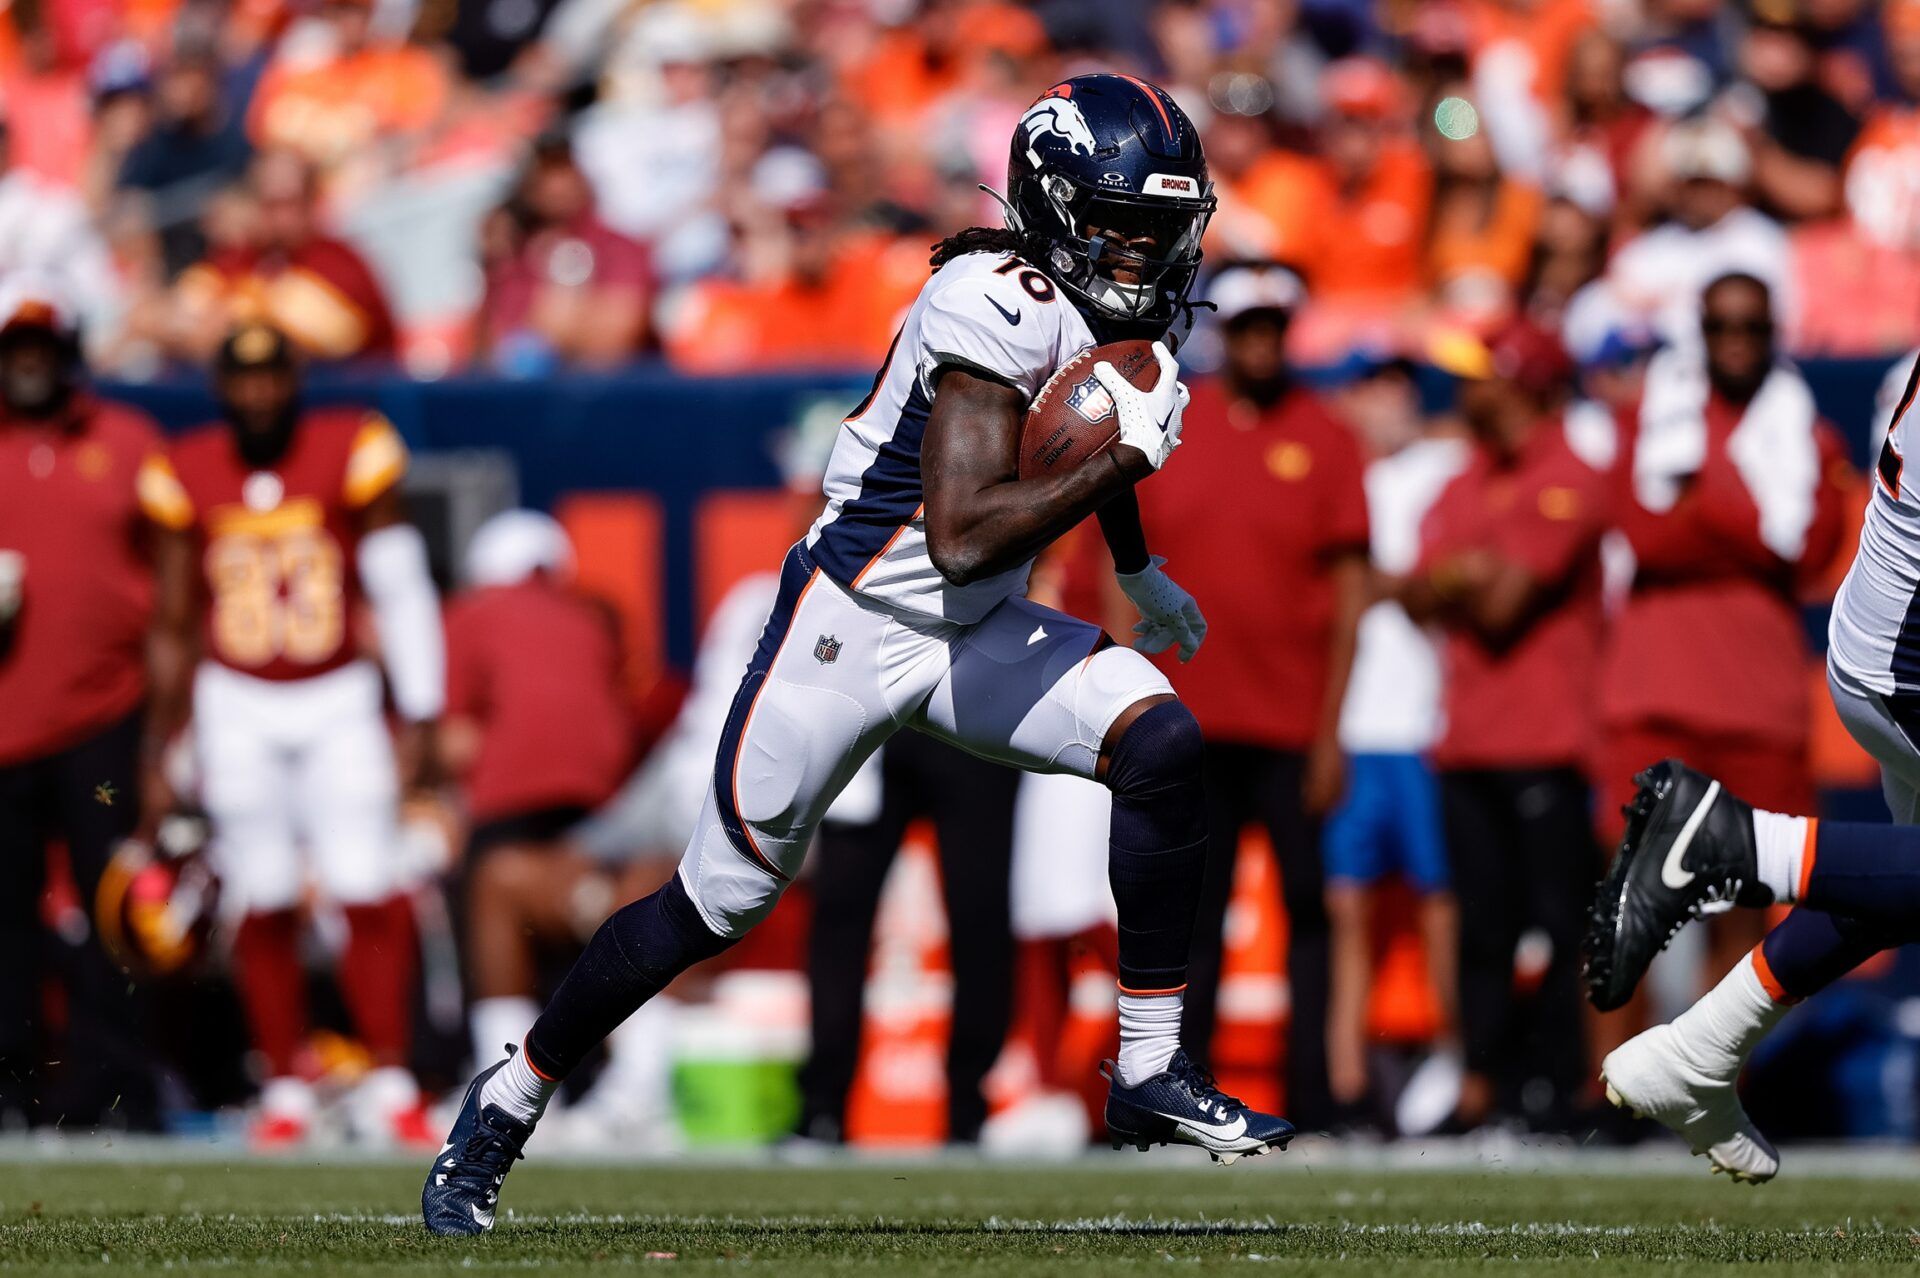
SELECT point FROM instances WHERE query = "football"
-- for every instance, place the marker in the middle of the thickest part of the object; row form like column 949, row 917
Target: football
column 1072, row 419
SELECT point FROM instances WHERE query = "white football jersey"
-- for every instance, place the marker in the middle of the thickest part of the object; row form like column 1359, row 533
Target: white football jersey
column 1874, row 635
column 987, row 313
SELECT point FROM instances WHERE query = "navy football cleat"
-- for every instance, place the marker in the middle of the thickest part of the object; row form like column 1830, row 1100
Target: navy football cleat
column 1688, row 852
column 463, row 1187
column 1181, row 1106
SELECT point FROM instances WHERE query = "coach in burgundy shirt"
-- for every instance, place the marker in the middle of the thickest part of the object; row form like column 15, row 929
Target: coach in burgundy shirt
column 75, row 594
column 1510, row 570
column 1265, row 517
column 534, row 669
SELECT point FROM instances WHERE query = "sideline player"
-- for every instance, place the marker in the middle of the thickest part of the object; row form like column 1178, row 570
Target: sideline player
column 1692, row 848
column 905, row 606
column 274, row 523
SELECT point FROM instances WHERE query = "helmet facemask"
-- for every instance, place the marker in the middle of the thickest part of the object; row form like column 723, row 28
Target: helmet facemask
column 1131, row 258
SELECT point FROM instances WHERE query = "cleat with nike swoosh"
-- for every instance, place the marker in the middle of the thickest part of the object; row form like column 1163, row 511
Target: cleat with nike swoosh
column 1688, row 852
column 1182, row 1106
column 463, row 1186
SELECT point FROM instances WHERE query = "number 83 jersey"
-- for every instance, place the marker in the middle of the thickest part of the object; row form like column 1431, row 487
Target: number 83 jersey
column 277, row 542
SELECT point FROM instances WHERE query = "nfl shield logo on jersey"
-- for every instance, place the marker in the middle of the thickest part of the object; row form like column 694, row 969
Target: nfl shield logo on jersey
column 826, row 650
column 1091, row 400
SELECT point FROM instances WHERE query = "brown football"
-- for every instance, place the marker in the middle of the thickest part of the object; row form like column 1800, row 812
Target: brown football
column 1072, row 419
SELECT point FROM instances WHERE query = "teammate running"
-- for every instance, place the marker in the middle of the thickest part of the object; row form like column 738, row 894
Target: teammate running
column 904, row 607
column 1692, row 848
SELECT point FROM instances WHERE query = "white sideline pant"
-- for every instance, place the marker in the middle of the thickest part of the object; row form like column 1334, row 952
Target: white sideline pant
column 299, row 781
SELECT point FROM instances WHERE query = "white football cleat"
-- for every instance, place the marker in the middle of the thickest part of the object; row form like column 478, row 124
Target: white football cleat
column 1652, row 1076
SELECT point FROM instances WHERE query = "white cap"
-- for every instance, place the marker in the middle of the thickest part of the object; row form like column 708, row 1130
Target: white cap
column 32, row 298
column 1710, row 149
column 1239, row 289
column 515, row 544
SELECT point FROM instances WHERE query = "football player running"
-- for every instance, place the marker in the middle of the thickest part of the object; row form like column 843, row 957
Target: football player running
column 904, row 607
column 1692, row 848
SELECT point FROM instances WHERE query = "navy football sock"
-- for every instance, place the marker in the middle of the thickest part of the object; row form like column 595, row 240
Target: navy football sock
column 1158, row 845
column 1867, row 872
column 1809, row 950
column 635, row 954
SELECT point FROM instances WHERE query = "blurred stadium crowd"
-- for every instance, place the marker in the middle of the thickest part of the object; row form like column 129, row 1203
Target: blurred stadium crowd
column 1441, row 643
column 744, row 184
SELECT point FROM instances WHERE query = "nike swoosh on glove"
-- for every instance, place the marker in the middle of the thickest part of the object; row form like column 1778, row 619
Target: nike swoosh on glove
column 1168, row 614
column 1149, row 420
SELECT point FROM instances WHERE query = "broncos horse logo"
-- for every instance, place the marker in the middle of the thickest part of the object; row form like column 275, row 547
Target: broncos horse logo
column 1060, row 117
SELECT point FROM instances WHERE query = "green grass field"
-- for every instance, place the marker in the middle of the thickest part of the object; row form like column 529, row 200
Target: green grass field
column 1098, row 1217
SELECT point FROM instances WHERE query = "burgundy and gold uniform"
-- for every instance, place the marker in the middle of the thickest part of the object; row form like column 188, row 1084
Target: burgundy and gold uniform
column 277, row 544
column 295, row 757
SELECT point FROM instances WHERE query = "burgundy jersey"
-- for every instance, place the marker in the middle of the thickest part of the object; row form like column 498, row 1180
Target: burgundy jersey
column 277, row 543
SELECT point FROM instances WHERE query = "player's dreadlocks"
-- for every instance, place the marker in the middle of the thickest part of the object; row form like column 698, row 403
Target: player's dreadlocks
column 975, row 239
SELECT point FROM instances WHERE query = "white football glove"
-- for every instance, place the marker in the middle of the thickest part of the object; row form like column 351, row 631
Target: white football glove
column 1168, row 614
column 1149, row 420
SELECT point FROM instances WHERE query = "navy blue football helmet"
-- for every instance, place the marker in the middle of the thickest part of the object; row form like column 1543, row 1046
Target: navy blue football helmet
column 1107, row 186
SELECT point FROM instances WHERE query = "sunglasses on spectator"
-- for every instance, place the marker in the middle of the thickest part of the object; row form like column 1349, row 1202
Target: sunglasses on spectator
column 1714, row 326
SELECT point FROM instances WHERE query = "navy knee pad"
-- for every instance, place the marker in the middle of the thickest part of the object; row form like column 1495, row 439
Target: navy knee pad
column 1162, row 750
column 634, row 955
column 1157, row 849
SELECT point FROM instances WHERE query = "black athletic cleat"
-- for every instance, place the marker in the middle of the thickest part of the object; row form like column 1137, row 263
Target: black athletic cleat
column 1181, row 1105
column 463, row 1186
column 1688, row 852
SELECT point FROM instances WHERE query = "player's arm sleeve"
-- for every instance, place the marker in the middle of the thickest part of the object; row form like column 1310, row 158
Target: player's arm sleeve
column 992, row 328
column 163, row 498
column 406, row 613
column 375, row 463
